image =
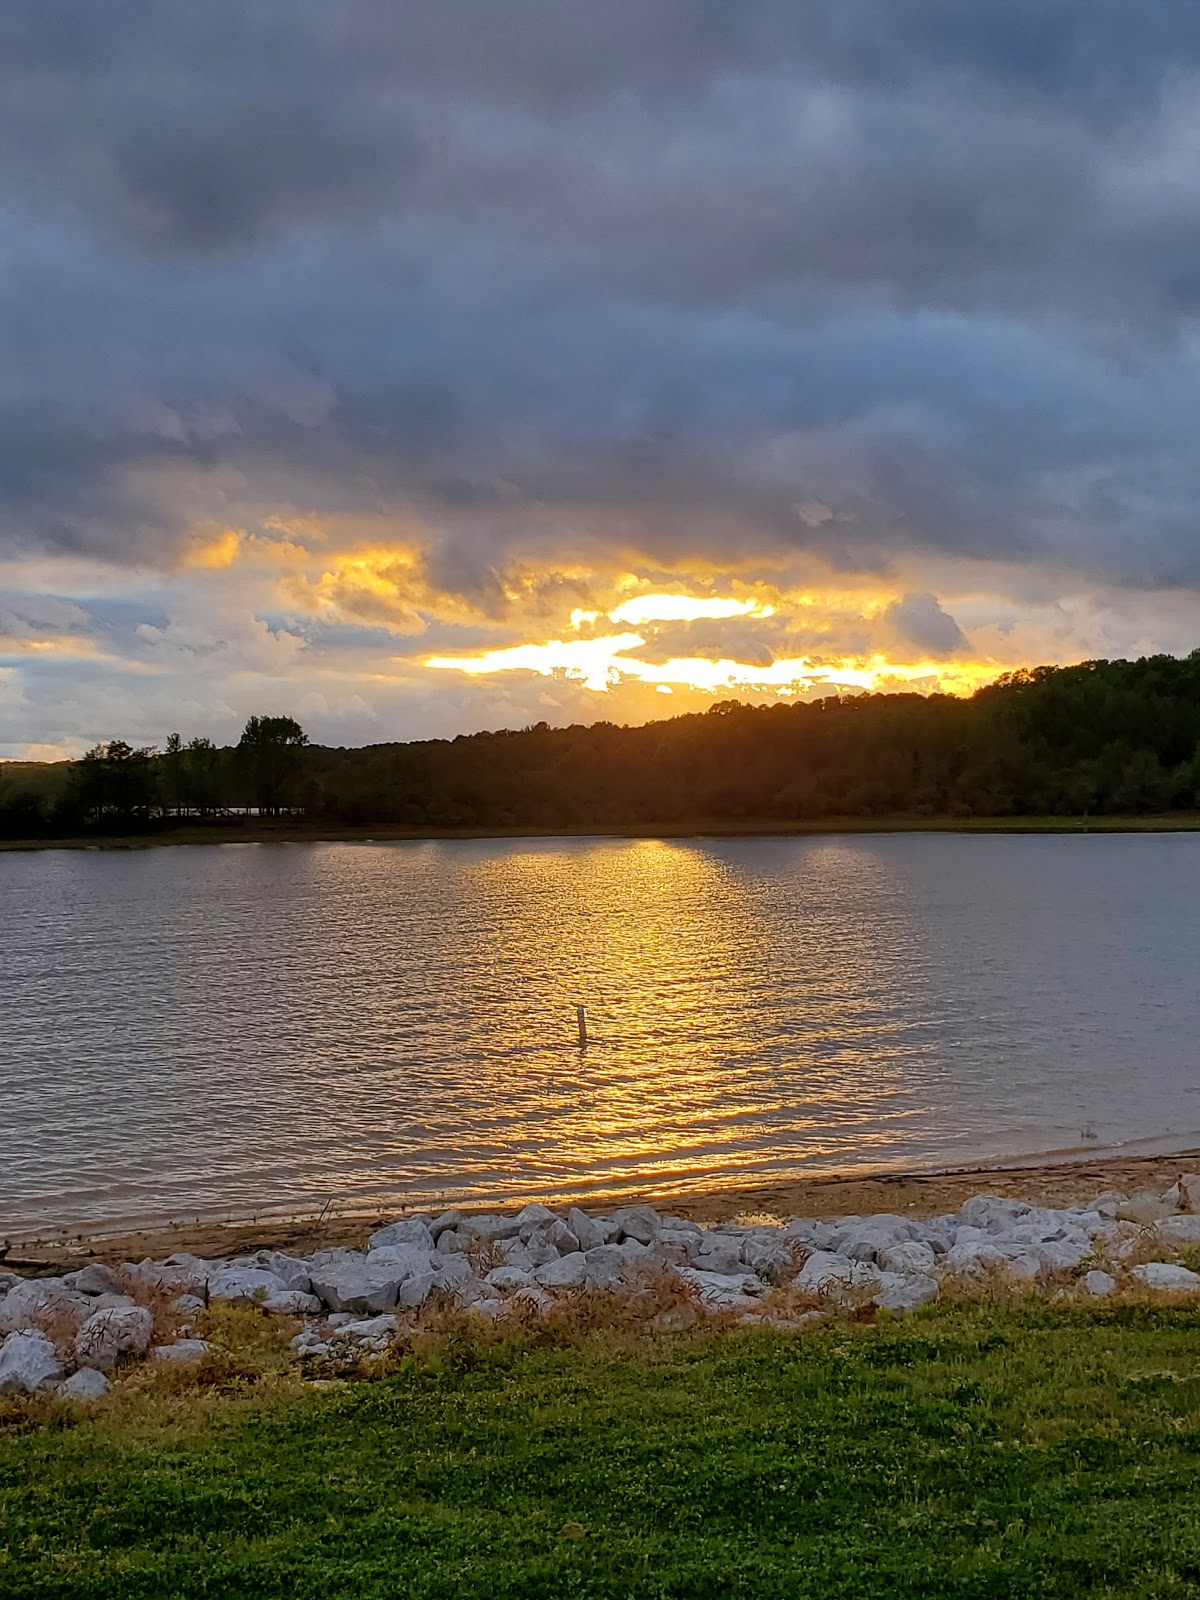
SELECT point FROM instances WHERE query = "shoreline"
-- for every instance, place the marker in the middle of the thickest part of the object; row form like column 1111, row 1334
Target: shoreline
column 921, row 1193
column 722, row 828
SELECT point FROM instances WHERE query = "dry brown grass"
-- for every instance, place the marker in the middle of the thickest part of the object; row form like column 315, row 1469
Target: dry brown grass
column 485, row 1255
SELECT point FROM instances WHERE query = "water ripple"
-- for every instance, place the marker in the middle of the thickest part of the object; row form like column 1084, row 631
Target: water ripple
column 198, row 1031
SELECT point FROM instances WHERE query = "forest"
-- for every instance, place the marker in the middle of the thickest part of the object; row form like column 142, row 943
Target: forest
column 1103, row 737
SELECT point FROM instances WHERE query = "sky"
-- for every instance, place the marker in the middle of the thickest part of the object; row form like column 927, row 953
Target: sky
column 414, row 369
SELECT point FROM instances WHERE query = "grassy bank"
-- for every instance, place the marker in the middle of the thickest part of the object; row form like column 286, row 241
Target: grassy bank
column 971, row 1451
column 284, row 831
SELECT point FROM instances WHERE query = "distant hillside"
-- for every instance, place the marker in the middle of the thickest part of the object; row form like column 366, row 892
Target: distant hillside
column 1103, row 737
column 46, row 778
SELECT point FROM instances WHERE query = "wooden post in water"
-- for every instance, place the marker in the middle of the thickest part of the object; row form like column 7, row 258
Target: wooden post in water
column 581, row 1019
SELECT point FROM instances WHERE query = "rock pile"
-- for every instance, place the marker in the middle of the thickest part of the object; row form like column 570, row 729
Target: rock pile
column 70, row 1333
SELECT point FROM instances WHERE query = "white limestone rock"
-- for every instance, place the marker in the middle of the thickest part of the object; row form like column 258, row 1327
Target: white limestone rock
column 966, row 1234
column 909, row 1256
column 1061, row 1255
column 1022, row 1269
column 633, row 1252
column 534, row 1216
column 293, row 1270
column 415, row 1289
column 672, row 1249
column 809, row 1231
column 28, row 1362
column 95, row 1278
column 32, row 1302
column 772, row 1260
column 84, row 1386
column 1145, row 1208
column 568, row 1272
column 517, row 1254
column 445, row 1223
column 292, row 1303
column 591, row 1231
column 606, row 1266
column 721, row 1291
column 450, row 1273
column 862, row 1237
column 369, row 1329
column 341, row 1281
column 1097, row 1283
column 971, row 1259
column 837, row 1276
column 487, row 1226
column 992, row 1213
column 407, row 1231
column 243, row 1286
column 715, row 1252
column 402, row 1260
column 1180, row 1230
column 182, row 1353
column 509, row 1278
column 1166, row 1277
column 681, row 1225
column 182, row 1272
column 534, row 1298
column 108, row 1335
column 642, row 1223
column 560, row 1234
column 906, row 1291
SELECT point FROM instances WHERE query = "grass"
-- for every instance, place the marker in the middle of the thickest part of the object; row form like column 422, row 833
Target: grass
column 287, row 831
column 973, row 1451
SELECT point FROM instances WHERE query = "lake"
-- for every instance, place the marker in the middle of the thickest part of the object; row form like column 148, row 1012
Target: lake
column 229, row 1029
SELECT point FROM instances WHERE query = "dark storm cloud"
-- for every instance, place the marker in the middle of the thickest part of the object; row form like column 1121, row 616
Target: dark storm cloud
column 639, row 277
column 918, row 619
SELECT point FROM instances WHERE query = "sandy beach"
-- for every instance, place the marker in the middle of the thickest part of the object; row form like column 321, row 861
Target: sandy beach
column 924, row 1194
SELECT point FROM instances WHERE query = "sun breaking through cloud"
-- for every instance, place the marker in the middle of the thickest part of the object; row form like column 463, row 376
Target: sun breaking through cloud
column 632, row 356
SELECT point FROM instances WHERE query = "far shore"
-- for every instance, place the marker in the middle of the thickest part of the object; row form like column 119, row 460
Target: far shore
column 286, row 831
column 924, row 1194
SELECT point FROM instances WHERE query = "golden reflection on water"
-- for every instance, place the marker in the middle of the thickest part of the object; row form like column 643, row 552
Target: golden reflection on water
column 677, row 955
column 198, row 1031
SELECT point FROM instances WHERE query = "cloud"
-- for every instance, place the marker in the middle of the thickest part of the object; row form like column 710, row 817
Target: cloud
column 918, row 620
column 422, row 325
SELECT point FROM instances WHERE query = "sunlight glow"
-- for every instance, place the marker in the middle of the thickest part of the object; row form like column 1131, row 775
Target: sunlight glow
column 591, row 662
column 214, row 554
column 601, row 664
column 684, row 608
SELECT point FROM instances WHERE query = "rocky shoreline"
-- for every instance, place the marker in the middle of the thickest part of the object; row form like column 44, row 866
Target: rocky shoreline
column 70, row 1334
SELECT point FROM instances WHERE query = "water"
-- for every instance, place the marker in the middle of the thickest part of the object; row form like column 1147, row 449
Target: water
column 215, row 1030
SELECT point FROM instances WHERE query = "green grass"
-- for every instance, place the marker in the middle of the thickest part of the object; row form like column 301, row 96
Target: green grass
column 973, row 1452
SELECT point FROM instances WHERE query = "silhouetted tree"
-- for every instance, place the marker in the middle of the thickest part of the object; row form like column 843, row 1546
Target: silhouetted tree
column 23, row 813
column 270, row 755
column 115, row 786
column 201, row 767
column 173, row 778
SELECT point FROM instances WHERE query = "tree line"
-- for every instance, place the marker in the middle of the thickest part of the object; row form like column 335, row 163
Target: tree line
column 119, row 788
column 1116, row 737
